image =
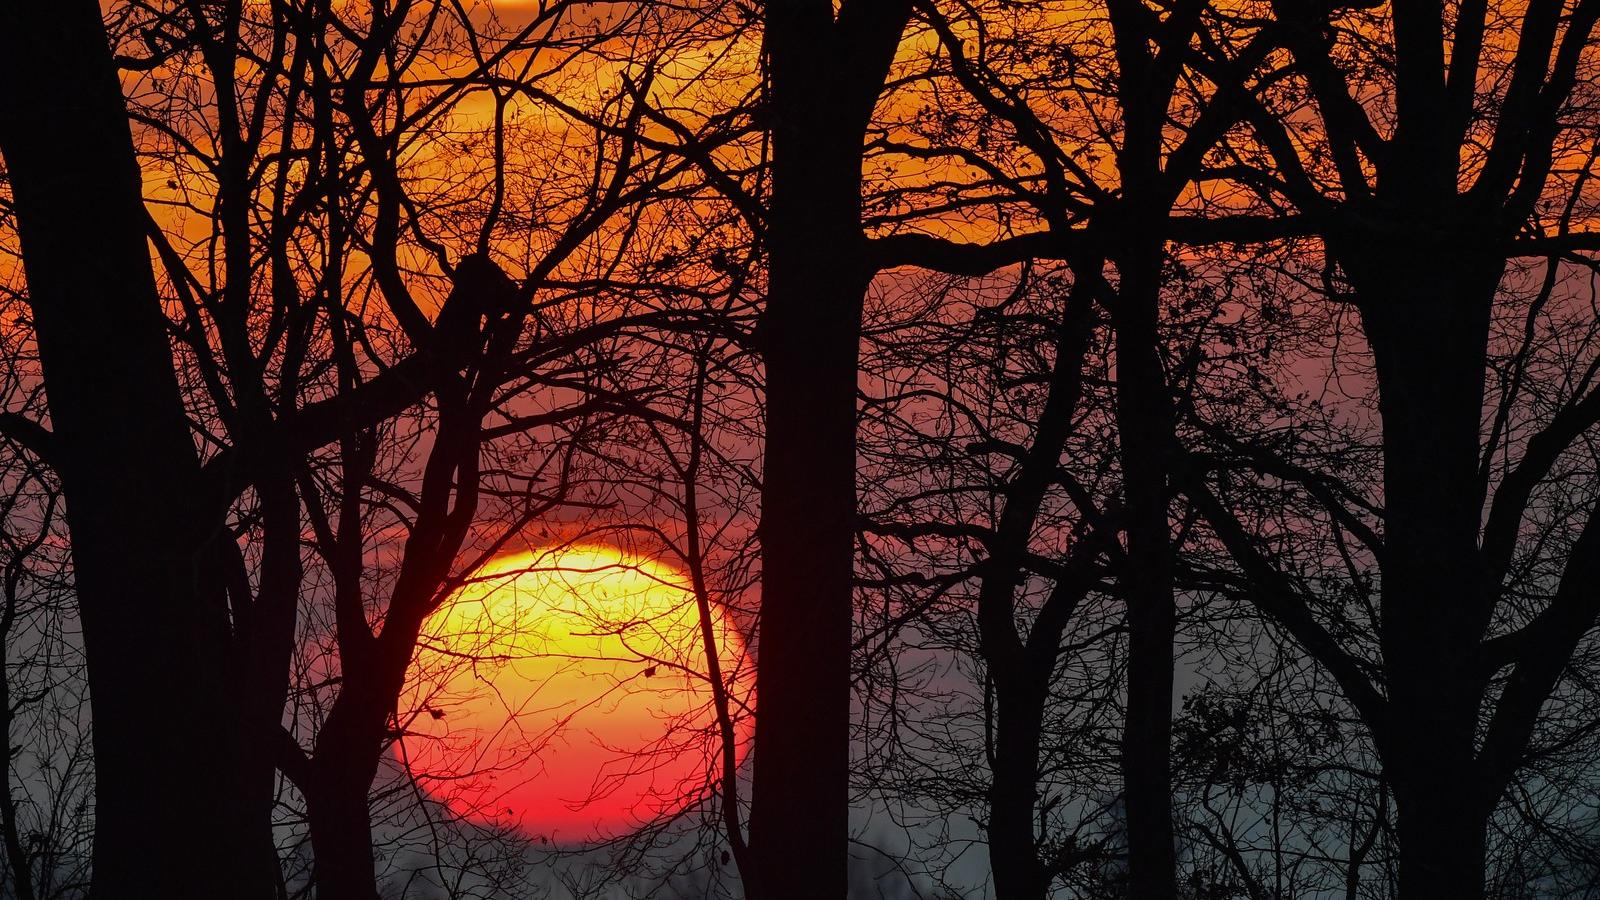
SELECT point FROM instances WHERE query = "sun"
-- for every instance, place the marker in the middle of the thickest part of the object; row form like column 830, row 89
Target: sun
column 564, row 692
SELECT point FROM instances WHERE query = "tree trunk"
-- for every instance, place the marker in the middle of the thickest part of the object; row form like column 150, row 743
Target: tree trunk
column 1440, row 823
column 1145, row 425
column 825, row 75
column 1014, row 794
column 1425, row 310
column 810, row 331
column 350, row 746
column 173, row 800
column 338, row 817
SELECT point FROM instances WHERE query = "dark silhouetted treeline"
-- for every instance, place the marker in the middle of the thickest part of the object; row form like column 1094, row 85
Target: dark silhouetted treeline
column 1149, row 449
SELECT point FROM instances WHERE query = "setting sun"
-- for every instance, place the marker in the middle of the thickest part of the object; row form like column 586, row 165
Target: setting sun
column 564, row 692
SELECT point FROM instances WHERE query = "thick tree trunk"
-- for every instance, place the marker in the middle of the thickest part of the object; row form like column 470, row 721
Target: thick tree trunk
column 1426, row 315
column 1441, row 826
column 825, row 73
column 1145, row 425
column 339, row 818
column 174, row 810
column 350, row 745
column 1019, row 874
column 809, row 336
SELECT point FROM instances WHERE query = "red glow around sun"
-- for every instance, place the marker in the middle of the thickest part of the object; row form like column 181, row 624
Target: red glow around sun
column 564, row 692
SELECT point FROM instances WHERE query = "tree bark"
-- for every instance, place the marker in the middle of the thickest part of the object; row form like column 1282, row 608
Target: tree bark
column 810, row 332
column 1425, row 310
column 1441, row 827
column 1145, row 428
column 825, row 76
column 1148, row 71
column 175, row 809
column 1018, row 872
column 337, row 812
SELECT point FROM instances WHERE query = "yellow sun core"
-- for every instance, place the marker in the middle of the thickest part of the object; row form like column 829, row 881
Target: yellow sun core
column 565, row 692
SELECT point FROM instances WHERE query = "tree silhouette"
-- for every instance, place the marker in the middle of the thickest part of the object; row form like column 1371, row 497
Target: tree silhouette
column 1151, row 442
column 141, row 517
column 1420, row 214
column 825, row 71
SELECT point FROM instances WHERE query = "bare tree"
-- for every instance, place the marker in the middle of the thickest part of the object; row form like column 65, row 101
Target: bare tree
column 155, row 621
column 824, row 73
column 1434, row 156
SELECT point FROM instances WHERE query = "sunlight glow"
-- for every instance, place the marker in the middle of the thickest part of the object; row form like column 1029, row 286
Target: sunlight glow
column 563, row 692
